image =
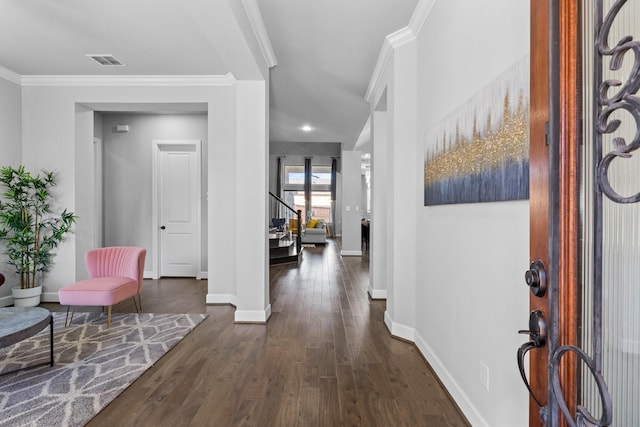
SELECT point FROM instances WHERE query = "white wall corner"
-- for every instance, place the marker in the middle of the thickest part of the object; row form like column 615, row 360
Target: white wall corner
column 221, row 299
column 456, row 392
column 11, row 76
column 6, row 301
column 420, row 14
column 148, row 274
column 397, row 329
column 253, row 316
column 145, row 81
column 377, row 293
column 257, row 24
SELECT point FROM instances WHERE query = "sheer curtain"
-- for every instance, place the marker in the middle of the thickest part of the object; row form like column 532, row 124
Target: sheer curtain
column 621, row 241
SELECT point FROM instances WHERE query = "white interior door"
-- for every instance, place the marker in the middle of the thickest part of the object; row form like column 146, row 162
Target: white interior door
column 178, row 205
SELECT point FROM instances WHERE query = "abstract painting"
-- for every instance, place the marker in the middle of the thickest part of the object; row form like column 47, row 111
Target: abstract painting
column 480, row 152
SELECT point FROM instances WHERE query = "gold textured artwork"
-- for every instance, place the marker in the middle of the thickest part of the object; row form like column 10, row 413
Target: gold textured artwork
column 480, row 153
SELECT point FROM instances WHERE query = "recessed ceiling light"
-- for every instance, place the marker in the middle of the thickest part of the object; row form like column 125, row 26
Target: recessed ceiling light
column 306, row 128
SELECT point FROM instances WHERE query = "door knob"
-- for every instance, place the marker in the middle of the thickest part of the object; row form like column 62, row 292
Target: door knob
column 538, row 337
column 536, row 278
column 162, row 227
column 537, row 328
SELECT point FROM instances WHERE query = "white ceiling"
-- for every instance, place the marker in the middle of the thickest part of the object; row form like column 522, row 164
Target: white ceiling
column 325, row 50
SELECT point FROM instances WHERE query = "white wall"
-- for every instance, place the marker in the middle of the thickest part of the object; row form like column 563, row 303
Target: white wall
column 470, row 295
column 10, row 154
column 351, row 198
column 128, row 176
column 55, row 136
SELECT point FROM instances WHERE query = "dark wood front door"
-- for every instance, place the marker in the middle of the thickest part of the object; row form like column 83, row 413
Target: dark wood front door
column 584, row 298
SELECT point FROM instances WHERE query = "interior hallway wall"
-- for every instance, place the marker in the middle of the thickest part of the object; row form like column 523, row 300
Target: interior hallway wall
column 470, row 293
column 128, row 176
column 56, row 136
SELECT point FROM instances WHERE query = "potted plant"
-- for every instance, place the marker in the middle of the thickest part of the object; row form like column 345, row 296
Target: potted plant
column 29, row 229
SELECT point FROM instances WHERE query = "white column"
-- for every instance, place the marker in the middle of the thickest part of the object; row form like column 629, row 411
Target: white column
column 402, row 218
column 221, row 262
column 351, row 193
column 251, row 203
column 378, row 226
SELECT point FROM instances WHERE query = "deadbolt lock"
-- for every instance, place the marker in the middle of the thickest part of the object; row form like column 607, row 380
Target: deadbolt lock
column 536, row 278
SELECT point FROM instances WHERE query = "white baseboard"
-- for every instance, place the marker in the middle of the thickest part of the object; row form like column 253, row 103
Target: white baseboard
column 148, row 274
column 456, row 392
column 377, row 293
column 397, row 329
column 253, row 316
column 6, row 301
column 221, row 299
column 351, row 253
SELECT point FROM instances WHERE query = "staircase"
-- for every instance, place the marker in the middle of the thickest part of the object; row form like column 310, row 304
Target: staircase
column 285, row 245
column 282, row 248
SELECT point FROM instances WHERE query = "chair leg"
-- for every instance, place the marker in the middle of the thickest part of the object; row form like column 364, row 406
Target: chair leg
column 67, row 316
column 109, row 317
column 139, row 302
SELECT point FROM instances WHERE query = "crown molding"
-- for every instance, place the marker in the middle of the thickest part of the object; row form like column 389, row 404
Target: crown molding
column 11, row 76
column 260, row 31
column 130, row 80
column 420, row 14
column 391, row 42
column 395, row 40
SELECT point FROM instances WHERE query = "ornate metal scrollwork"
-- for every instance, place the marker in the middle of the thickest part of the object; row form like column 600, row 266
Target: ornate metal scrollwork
column 623, row 99
column 583, row 417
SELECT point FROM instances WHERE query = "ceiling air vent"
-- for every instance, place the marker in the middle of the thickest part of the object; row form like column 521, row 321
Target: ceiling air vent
column 106, row 60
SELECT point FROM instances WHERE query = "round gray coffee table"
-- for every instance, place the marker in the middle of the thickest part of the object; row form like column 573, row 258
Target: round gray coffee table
column 19, row 323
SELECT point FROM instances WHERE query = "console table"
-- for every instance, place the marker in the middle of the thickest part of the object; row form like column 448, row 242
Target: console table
column 19, row 323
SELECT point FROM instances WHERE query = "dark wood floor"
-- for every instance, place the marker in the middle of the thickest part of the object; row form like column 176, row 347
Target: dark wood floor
column 324, row 358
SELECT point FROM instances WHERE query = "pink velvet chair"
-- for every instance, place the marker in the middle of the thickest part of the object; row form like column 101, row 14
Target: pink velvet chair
column 115, row 274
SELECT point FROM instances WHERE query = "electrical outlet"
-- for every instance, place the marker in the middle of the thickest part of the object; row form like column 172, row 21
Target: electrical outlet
column 484, row 375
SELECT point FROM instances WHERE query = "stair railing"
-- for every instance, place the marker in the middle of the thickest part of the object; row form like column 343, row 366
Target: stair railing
column 279, row 209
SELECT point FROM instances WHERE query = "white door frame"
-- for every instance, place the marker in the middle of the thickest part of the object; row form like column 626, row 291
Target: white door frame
column 98, row 224
column 159, row 145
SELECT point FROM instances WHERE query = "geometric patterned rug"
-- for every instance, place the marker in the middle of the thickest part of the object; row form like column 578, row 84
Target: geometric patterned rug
column 93, row 365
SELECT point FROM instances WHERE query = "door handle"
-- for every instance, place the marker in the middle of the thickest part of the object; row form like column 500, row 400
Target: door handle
column 538, row 337
column 162, row 227
column 536, row 278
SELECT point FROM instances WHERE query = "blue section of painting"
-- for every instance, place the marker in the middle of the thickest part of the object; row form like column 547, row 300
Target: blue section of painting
column 509, row 182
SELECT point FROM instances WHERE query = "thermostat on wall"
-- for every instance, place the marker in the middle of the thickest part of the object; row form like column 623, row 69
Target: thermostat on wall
column 122, row 128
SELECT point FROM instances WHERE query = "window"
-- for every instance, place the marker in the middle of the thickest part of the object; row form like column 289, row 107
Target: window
column 320, row 204
column 293, row 175
column 320, row 190
column 320, row 175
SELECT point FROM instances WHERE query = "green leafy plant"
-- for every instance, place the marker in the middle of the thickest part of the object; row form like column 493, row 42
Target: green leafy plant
column 28, row 226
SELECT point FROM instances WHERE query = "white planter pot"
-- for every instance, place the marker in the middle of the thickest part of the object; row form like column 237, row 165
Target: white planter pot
column 29, row 297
